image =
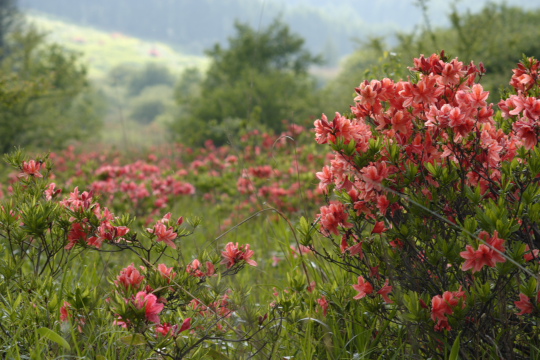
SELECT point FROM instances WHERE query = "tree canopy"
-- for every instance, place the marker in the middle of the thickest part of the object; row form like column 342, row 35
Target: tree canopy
column 261, row 79
column 45, row 98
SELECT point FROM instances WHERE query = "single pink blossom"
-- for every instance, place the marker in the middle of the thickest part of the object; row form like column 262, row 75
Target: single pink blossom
column 129, row 277
column 151, row 305
column 77, row 233
column 477, row 259
column 31, row 168
column 531, row 254
column 166, row 272
column 379, row 228
column 384, row 291
column 52, row 191
column 166, row 329
column 324, row 304
column 164, row 234
column 64, row 311
column 186, row 325
column 363, row 287
column 234, row 254
column 524, row 304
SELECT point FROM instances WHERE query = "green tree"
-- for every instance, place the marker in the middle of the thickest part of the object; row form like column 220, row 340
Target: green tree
column 151, row 103
column 260, row 80
column 9, row 18
column 150, row 75
column 45, row 98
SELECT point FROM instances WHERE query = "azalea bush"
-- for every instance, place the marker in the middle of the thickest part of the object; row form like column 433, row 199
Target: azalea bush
column 163, row 303
column 433, row 210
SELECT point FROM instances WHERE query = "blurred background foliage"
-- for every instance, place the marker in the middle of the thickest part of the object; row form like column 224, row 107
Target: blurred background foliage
column 263, row 74
column 498, row 36
column 261, row 79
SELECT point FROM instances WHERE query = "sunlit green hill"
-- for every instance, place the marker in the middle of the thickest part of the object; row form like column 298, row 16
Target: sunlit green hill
column 103, row 50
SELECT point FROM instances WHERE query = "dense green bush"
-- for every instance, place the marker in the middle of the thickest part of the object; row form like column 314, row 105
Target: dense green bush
column 436, row 208
column 261, row 79
column 151, row 75
column 45, row 99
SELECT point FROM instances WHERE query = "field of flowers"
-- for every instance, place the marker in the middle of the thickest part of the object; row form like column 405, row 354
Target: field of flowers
column 407, row 228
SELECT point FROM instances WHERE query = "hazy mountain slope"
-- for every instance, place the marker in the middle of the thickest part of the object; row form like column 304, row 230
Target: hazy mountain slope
column 102, row 51
column 328, row 26
column 197, row 25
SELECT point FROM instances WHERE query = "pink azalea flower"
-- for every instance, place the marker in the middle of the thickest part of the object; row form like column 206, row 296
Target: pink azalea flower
column 356, row 250
column 167, row 329
column 107, row 232
column 129, row 277
column 384, row 291
column 332, row 216
column 526, row 131
column 476, row 259
column 382, row 204
column 363, row 287
column 196, row 269
column 323, row 303
column 379, row 228
column 78, row 201
column 166, row 272
column 445, row 305
column 164, row 234
column 340, row 127
column 193, row 268
column 478, row 96
column 78, row 232
column 186, row 325
column 31, row 168
column 52, row 191
column 166, row 218
column 150, row 304
column 530, row 255
column 64, row 311
column 325, row 177
column 524, row 304
column 234, row 254
column 374, row 174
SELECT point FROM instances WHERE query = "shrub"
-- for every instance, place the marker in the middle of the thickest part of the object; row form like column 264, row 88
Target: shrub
column 162, row 305
column 435, row 209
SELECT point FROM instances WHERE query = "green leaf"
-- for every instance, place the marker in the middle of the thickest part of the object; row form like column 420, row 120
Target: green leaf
column 432, row 169
column 455, row 349
column 53, row 336
column 530, row 288
column 17, row 302
column 217, row 355
column 133, row 340
column 304, row 225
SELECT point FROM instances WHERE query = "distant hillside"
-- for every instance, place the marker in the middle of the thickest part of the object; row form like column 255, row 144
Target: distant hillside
column 104, row 50
column 332, row 28
column 196, row 25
